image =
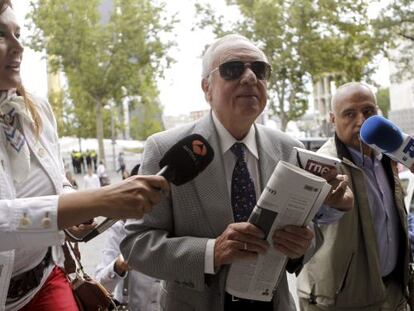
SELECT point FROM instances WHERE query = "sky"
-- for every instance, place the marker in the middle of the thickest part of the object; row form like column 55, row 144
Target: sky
column 180, row 91
column 33, row 67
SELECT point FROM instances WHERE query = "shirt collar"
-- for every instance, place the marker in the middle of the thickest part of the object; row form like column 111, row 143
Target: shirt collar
column 357, row 156
column 227, row 140
column 6, row 94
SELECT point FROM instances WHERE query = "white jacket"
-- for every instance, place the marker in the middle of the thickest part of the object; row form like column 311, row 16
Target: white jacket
column 21, row 220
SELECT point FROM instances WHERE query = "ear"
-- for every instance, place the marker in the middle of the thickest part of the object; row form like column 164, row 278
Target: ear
column 332, row 117
column 205, row 85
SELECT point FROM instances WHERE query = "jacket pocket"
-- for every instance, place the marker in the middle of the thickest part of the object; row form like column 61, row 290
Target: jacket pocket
column 171, row 300
column 344, row 278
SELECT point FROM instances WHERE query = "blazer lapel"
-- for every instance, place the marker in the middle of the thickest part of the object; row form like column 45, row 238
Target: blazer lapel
column 211, row 184
column 268, row 157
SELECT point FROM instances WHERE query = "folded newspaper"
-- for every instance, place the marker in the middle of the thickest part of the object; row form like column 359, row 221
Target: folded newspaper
column 292, row 197
column 313, row 162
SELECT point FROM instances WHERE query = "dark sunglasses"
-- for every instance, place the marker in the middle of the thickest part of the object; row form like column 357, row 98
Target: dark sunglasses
column 234, row 69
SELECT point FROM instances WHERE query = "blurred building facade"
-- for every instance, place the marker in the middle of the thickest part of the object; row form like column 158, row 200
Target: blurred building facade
column 401, row 92
column 323, row 89
column 178, row 120
column 401, row 102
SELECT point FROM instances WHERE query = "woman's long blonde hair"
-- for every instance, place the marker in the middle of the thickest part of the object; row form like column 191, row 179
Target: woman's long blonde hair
column 30, row 106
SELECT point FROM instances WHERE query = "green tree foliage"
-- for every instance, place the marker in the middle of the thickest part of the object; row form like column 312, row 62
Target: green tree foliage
column 103, row 60
column 303, row 40
column 146, row 122
column 395, row 26
column 383, row 100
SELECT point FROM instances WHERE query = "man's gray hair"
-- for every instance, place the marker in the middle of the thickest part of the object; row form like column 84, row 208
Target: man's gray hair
column 208, row 56
column 344, row 87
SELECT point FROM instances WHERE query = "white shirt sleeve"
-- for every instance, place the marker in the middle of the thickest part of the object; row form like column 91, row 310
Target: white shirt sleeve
column 209, row 257
column 21, row 218
column 106, row 275
column 105, row 272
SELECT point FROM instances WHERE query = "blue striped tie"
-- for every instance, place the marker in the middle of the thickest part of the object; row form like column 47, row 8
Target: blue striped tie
column 243, row 194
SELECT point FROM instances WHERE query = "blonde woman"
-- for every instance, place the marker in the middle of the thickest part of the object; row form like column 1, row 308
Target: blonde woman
column 36, row 200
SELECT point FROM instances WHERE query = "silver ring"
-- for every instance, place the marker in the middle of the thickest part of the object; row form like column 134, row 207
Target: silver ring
column 245, row 246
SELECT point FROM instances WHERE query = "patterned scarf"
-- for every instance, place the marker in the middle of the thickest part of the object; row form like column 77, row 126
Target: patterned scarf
column 12, row 106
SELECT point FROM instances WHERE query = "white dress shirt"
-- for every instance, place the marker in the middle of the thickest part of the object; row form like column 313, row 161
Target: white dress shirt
column 36, row 184
column 101, row 171
column 91, row 181
column 226, row 141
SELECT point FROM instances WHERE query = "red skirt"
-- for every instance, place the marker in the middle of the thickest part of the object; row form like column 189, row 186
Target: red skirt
column 55, row 295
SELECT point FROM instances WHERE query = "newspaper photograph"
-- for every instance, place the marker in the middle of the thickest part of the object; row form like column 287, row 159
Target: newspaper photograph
column 292, row 196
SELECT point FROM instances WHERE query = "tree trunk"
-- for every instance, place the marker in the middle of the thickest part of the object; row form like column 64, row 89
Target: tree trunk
column 100, row 131
column 283, row 122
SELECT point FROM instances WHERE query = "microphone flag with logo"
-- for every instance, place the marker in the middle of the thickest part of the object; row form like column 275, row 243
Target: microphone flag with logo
column 186, row 159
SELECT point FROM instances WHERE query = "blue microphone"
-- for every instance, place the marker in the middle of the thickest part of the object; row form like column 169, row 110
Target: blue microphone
column 384, row 136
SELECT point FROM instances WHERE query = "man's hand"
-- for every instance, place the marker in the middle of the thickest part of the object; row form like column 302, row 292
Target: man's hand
column 412, row 168
column 239, row 241
column 293, row 241
column 80, row 231
column 340, row 196
column 121, row 266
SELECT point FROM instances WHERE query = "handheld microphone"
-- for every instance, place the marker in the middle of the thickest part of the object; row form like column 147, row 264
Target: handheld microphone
column 186, row 159
column 384, row 136
column 180, row 164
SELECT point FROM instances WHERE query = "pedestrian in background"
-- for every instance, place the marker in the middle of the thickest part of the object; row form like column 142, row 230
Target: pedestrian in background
column 102, row 174
column 121, row 164
column 94, row 157
column 71, row 179
column 88, row 158
column 91, row 180
column 125, row 174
